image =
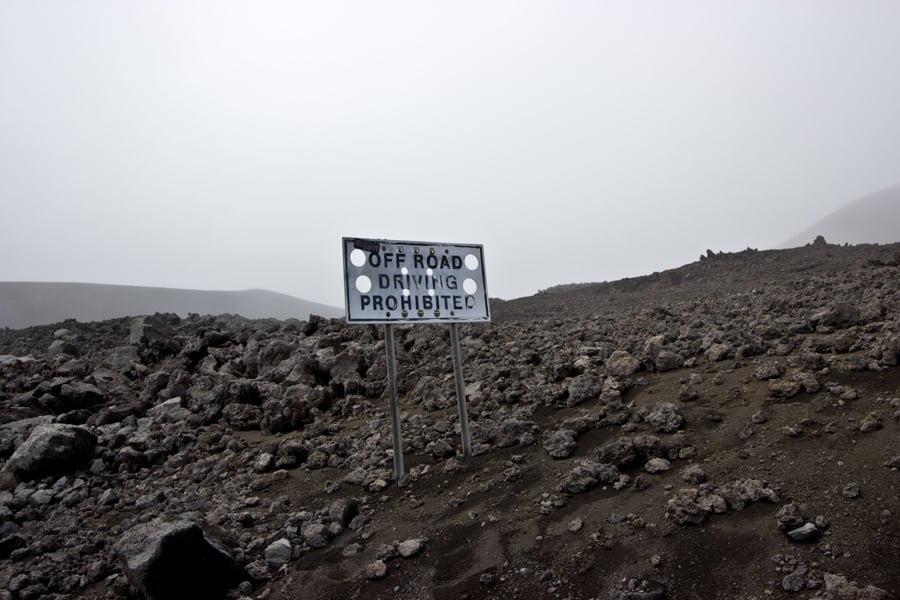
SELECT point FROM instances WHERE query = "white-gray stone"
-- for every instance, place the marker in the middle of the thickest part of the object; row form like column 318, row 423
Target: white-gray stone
column 52, row 449
column 411, row 548
column 807, row 531
column 657, row 465
column 279, row 553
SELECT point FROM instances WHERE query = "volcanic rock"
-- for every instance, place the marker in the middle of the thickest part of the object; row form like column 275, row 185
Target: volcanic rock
column 807, row 531
column 561, row 443
column 411, row 548
column 622, row 364
column 173, row 560
column 154, row 336
column 53, row 449
column 665, row 417
column 279, row 553
column 587, row 474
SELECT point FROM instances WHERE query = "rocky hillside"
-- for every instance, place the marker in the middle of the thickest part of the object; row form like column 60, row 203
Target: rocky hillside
column 726, row 430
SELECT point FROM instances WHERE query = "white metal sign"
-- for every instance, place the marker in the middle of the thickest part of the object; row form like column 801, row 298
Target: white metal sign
column 390, row 281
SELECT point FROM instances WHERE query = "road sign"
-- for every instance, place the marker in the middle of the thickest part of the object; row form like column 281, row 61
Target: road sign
column 391, row 281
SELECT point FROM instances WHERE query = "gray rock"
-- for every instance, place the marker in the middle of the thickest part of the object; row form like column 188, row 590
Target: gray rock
column 792, row 583
column 784, row 389
column 411, row 548
column 807, row 531
column 561, row 443
column 741, row 492
column 152, row 334
column 388, row 551
column 377, row 485
column 713, row 503
column 441, row 448
column 279, row 553
column 376, row 570
column 851, row 491
column 8, row 360
column 839, row 588
column 657, row 465
column 288, row 413
column 872, row 422
column 667, row 360
column 243, row 417
column 768, row 371
column 108, row 498
column 583, row 387
column 841, row 316
column 169, row 560
column 665, row 417
column 790, row 517
column 693, row 474
column 587, row 474
column 170, row 411
column 638, row 590
column 691, row 506
column 53, row 449
column 718, row 352
column 515, row 431
column 148, row 501
column 580, row 424
column 684, row 508
column 263, row 462
column 258, row 570
column 619, row 453
column 315, row 534
column 343, row 511
column 62, row 347
column 622, row 364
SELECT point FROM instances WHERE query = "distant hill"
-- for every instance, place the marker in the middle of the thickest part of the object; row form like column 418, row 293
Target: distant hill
column 874, row 219
column 716, row 274
column 23, row 304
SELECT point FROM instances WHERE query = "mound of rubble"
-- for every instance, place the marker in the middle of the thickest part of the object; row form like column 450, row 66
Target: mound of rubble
column 672, row 447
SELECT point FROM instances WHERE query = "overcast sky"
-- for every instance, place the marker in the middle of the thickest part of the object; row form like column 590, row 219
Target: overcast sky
column 230, row 145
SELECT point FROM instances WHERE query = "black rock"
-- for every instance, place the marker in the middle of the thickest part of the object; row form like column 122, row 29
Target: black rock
column 176, row 561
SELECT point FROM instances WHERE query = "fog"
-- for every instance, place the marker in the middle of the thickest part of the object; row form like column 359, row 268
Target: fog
column 230, row 145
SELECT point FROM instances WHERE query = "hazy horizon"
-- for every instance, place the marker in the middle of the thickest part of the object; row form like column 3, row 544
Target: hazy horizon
column 230, row 146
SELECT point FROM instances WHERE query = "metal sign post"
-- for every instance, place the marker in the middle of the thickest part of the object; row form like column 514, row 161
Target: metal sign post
column 390, row 281
column 460, row 390
column 395, row 408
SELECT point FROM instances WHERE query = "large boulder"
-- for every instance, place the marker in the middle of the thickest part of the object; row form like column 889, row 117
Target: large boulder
column 561, row 443
column 151, row 334
column 584, row 387
column 51, row 449
column 175, row 560
column 841, row 316
column 587, row 474
column 665, row 417
column 622, row 364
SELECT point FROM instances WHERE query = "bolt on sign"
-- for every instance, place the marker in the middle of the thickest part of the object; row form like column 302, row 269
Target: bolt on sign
column 389, row 281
